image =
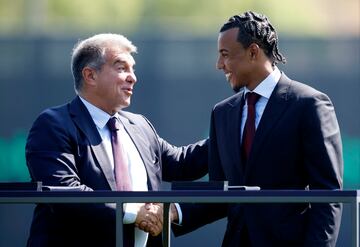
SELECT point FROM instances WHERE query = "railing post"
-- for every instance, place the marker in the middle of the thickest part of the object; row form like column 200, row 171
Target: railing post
column 166, row 225
column 355, row 221
column 119, row 224
column 357, row 215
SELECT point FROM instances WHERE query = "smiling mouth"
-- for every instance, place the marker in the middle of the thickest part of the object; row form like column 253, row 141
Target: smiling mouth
column 128, row 91
column 228, row 75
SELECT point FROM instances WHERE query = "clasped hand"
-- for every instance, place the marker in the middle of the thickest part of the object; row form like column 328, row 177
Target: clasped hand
column 150, row 217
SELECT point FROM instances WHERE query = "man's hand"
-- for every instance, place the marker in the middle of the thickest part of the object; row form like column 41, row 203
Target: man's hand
column 150, row 218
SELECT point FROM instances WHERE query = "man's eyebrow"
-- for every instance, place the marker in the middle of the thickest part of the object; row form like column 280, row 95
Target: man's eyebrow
column 124, row 62
column 223, row 50
column 118, row 60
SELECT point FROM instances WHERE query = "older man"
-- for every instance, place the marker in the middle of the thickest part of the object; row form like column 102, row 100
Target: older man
column 92, row 144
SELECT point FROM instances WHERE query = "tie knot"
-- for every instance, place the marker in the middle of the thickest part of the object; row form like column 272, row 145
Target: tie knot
column 113, row 124
column 252, row 98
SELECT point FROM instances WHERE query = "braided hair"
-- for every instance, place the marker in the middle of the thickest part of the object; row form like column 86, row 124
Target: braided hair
column 256, row 28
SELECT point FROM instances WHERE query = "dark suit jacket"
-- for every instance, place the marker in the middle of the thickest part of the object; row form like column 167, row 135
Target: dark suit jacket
column 64, row 148
column 297, row 146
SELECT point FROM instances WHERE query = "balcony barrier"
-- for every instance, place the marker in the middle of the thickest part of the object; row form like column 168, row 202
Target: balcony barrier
column 198, row 196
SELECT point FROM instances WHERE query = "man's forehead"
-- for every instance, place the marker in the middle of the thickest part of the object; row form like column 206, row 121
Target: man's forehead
column 125, row 57
column 120, row 55
column 230, row 34
column 228, row 39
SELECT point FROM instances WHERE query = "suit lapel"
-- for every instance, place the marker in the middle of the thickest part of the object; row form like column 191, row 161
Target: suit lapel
column 84, row 122
column 142, row 146
column 233, row 134
column 275, row 107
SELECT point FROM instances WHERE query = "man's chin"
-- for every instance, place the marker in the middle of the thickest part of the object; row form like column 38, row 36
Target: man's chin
column 123, row 105
column 235, row 86
column 236, row 89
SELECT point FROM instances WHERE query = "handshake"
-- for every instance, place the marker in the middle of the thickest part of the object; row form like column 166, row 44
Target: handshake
column 150, row 217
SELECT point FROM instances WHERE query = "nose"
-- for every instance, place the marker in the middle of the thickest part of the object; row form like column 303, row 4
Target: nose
column 219, row 63
column 131, row 78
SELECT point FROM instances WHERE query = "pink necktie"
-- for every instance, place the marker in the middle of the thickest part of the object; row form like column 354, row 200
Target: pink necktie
column 249, row 129
column 122, row 176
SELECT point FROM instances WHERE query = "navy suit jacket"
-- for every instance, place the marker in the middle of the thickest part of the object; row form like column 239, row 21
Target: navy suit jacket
column 297, row 146
column 64, row 148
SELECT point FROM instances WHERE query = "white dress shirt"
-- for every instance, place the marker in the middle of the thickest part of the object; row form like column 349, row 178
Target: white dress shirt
column 137, row 169
column 264, row 89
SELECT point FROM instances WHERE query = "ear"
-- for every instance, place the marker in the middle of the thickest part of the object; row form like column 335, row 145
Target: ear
column 89, row 75
column 254, row 51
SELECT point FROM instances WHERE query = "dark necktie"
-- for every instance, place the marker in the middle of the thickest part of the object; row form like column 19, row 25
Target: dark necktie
column 122, row 176
column 249, row 128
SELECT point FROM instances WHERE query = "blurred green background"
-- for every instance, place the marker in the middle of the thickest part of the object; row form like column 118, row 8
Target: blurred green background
column 45, row 21
column 324, row 18
column 177, row 80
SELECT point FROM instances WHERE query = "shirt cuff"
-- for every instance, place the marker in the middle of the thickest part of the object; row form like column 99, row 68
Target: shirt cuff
column 178, row 208
column 130, row 212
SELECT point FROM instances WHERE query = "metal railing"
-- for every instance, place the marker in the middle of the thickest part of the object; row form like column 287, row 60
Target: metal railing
column 204, row 196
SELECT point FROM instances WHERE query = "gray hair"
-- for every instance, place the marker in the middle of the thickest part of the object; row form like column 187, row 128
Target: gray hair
column 91, row 52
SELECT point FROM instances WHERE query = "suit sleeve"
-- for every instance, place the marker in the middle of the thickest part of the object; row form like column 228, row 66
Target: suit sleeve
column 51, row 158
column 324, row 164
column 215, row 169
column 196, row 215
column 184, row 163
column 50, row 152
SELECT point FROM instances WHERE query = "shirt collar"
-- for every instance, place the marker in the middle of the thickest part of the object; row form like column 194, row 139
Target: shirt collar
column 266, row 87
column 99, row 116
